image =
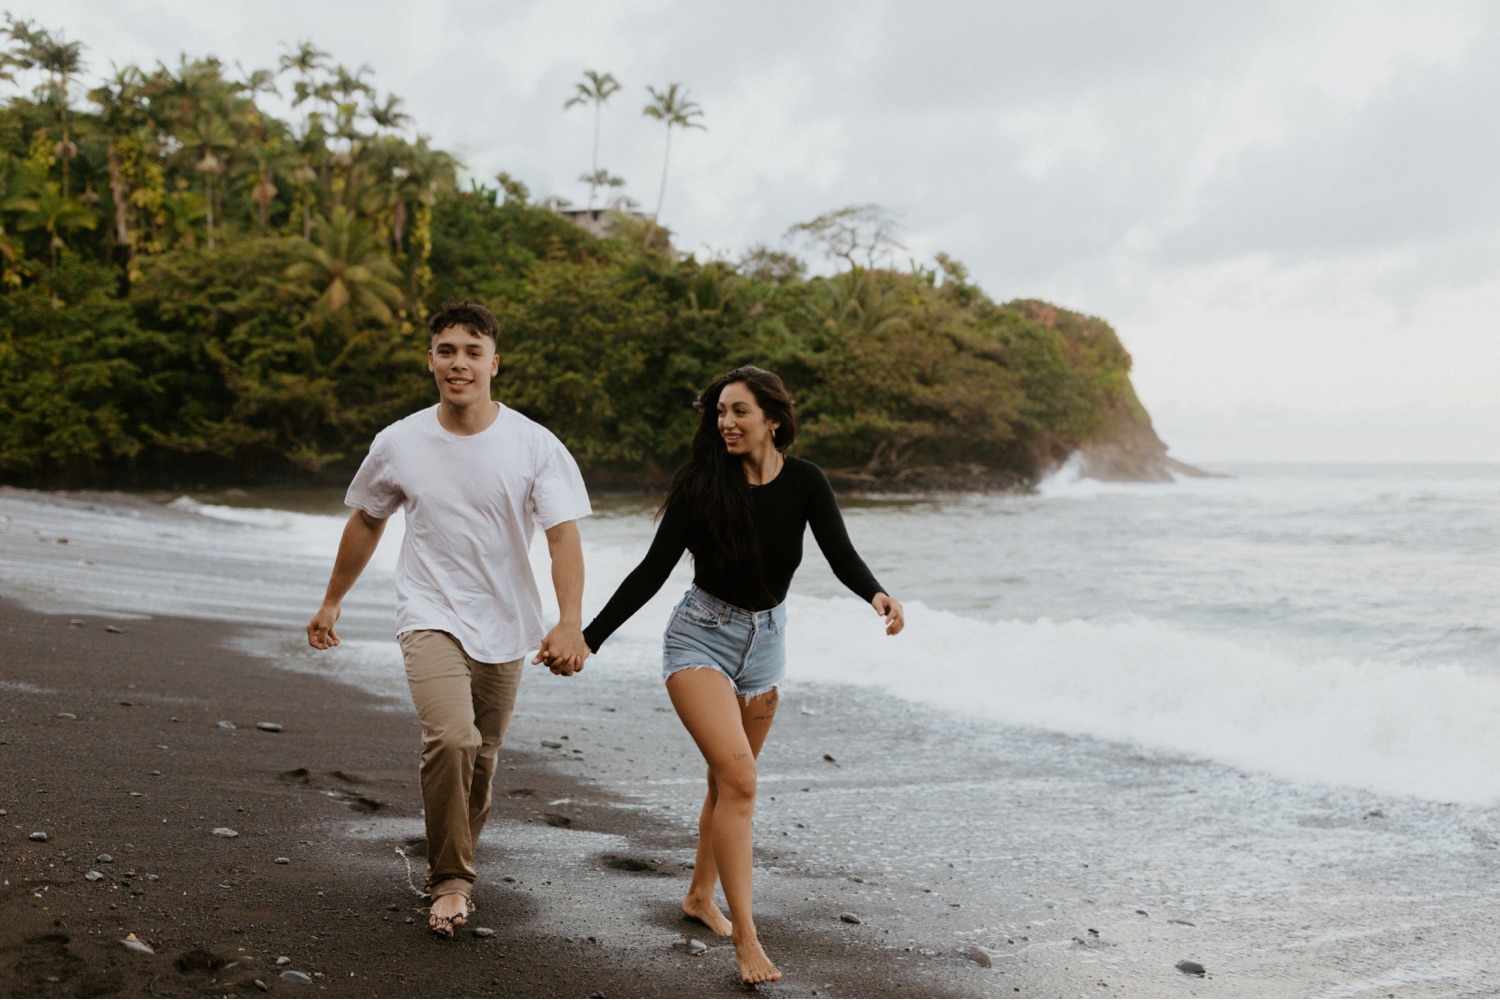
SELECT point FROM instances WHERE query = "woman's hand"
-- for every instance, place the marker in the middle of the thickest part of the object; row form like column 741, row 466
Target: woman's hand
column 890, row 609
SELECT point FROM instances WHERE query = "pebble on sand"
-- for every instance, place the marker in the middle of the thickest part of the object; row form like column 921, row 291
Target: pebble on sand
column 283, row 960
column 114, row 630
column 270, row 727
column 983, row 957
column 93, row 876
column 105, row 859
column 225, row 724
column 1191, row 968
column 66, row 715
column 300, row 978
column 136, row 944
column 283, row 861
column 39, row 837
column 224, row 831
column 483, row 932
column 552, row 744
column 850, row 918
column 260, row 984
column 695, row 947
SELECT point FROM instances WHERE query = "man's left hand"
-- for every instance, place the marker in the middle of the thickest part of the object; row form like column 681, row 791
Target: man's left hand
column 563, row 650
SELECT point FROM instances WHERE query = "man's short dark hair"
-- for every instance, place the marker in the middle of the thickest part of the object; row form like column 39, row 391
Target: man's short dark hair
column 470, row 315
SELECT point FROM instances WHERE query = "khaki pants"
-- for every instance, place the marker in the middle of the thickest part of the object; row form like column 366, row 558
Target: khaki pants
column 464, row 706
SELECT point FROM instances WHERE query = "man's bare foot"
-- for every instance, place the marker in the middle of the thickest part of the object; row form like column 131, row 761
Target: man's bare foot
column 707, row 913
column 755, row 967
column 448, row 911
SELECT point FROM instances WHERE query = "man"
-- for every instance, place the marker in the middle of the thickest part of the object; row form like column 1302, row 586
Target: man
column 473, row 477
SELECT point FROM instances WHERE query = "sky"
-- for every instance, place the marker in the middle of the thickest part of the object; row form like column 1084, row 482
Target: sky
column 1290, row 212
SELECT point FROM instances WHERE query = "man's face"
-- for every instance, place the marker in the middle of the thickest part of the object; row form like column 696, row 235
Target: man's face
column 463, row 363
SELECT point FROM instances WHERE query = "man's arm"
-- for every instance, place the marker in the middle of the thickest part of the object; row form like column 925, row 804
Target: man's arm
column 563, row 649
column 357, row 545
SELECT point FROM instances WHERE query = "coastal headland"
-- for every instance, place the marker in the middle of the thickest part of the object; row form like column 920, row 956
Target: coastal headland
column 239, row 293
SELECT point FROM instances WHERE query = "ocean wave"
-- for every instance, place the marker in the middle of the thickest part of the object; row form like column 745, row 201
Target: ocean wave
column 1397, row 729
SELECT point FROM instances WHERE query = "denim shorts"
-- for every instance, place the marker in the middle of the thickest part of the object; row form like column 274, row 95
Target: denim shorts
column 748, row 647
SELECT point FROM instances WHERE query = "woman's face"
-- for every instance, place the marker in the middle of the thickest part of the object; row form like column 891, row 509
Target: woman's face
column 742, row 423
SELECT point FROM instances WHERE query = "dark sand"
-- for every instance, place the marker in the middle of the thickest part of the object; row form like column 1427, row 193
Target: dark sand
column 144, row 774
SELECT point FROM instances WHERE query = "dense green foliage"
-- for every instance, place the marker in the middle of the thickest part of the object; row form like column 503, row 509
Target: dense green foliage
column 193, row 290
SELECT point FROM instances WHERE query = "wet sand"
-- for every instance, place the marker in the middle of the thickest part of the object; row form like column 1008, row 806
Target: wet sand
column 110, row 744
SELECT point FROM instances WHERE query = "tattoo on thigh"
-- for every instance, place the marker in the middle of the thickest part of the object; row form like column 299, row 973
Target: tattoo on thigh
column 741, row 756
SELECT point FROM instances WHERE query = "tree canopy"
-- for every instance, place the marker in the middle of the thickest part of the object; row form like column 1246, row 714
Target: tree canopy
column 195, row 290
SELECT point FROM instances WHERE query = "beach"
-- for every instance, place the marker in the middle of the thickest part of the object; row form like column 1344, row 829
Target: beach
column 112, row 744
column 903, row 848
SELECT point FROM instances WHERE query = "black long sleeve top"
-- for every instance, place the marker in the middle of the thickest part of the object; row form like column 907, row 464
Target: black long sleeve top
column 798, row 497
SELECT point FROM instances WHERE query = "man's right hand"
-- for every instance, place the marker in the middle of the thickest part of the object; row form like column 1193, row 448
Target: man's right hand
column 320, row 633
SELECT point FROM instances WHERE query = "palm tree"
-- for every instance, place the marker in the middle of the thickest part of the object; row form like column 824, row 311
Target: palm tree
column 857, row 302
column 62, row 60
column 270, row 156
column 211, row 136
column 50, row 210
column 259, row 80
column 674, row 108
column 389, row 115
column 351, row 274
column 18, row 31
column 595, row 90
column 303, row 60
column 343, row 93
column 119, row 111
column 598, row 179
column 17, row 184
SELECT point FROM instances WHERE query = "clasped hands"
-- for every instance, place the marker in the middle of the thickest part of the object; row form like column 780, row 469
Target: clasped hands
column 563, row 650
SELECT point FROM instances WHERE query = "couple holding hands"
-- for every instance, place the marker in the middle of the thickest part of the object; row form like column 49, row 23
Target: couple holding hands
column 474, row 479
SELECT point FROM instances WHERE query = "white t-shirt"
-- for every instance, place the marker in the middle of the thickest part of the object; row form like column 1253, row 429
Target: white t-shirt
column 471, row 502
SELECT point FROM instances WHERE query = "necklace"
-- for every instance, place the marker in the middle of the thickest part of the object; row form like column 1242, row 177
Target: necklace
column 781, row 461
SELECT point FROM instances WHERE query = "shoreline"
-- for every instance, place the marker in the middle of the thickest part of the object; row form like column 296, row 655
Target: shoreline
column 579, row 885
column 1074, row 864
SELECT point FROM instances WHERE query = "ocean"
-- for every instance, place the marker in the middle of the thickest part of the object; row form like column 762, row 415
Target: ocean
column 1281, row 686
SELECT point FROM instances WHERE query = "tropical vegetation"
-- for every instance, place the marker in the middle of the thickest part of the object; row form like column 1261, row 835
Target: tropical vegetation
column 196, row 290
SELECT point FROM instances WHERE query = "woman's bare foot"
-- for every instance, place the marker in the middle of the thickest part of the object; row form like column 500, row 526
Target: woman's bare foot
column 755, row 967
column 448, row 911
column 707, row 913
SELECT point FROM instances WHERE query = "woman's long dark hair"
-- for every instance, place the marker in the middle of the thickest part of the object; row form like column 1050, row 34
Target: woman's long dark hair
column 712, row 489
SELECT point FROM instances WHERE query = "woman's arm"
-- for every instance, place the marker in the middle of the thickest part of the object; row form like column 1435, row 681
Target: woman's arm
column 833, row 538
column 643, row 582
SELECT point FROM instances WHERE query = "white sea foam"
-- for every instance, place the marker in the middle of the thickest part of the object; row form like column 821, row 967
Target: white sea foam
column 1426, row 732
column 315, row 536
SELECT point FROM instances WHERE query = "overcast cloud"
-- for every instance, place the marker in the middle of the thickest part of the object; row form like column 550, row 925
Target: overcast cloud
column 1288, row 210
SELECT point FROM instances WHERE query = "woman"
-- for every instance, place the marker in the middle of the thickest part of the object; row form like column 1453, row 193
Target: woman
column 741, row 507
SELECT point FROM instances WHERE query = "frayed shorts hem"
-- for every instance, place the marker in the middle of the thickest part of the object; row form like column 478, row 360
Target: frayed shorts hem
column 746, row 697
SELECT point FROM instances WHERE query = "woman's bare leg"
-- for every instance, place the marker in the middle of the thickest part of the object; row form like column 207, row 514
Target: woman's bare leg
column 699, row 903
column 757, row 717
column 706, row 704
